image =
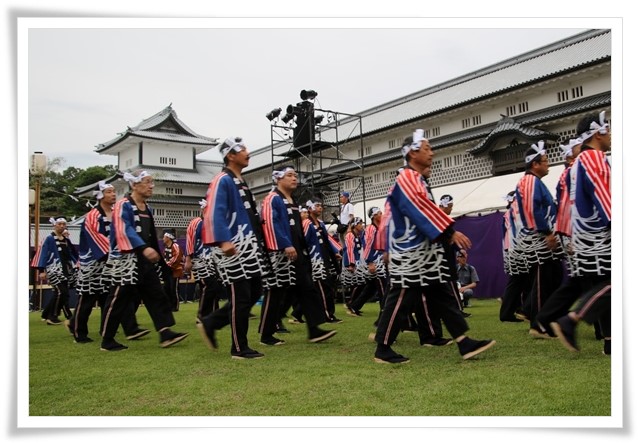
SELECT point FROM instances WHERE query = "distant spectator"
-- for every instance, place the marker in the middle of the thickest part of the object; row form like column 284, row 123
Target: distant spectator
column 467, row 277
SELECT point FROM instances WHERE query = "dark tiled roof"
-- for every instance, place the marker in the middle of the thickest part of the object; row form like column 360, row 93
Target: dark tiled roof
column 157, row 127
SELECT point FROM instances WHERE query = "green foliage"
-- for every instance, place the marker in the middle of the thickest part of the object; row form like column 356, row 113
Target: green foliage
column 520, row 376
column 56, row 188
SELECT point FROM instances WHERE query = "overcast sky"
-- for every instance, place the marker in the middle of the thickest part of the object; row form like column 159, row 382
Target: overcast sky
column 86, row 85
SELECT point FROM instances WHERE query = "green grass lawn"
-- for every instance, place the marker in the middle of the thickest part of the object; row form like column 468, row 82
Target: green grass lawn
column 519, row 376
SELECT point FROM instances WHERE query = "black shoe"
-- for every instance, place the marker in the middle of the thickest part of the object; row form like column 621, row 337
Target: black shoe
column 281, row 329
column 335, row 320
column 437, row 341
column 317, row 335
column 521, row 316
column 208, row 334
column 389, row 356
column 169, row 338
column 83, row 340
column 535, row 333
column 466, row 314
column 247, row 354
column 295, row 321
column 353, row 312
column 111, row 346
column 470, row 348
column 53, row 321
column 607, row 347
column 271, row 341
column 565, row 330
column 138, row 334
column 67, row 325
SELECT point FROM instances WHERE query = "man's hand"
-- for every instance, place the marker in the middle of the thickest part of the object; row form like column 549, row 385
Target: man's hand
column 291, row 253
column 459, row 239
column 151, row 255
column 551, row 241
column 188, row 264
column 228, row 248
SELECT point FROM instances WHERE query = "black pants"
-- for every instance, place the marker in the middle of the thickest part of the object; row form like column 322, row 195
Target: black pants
column 372, row 287
column 242, row 296
column 211, row 292
column 594, row 303
column 84, row 308
column 558, row 304
column 58, row 303
column 306, row 295
column 515, row 295
column 171, row 286
column 149, row 290
column 400, row 301
column 428, row 314
column 547, row 277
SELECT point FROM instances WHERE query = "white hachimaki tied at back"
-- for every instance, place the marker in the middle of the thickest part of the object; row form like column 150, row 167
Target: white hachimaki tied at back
column 601, row 127
column 568, row 148
column 235, row 144
column 202, row 203
column 417, row 137
column 278, row 174
column 373, row 211
column 101, row 187
column 445, row 201
column 132, row 178
column 54, row 221
column 540, row 150
column 312, row 205
column 509, row 198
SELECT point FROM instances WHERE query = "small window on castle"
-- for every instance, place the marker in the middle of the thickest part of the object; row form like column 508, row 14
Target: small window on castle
column 523, row 107
column 436, row 131
column 511, row 110
column 465, row 123
column 563, row 96
column 476, row 120
column 577, row 92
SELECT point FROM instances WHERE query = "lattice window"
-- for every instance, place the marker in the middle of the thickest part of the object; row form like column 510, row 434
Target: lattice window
column 510, row 110
column 577, row 92
column 563, row 96
column 523, row 107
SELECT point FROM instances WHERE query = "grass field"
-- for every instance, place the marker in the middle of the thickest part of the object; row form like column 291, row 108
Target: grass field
column 519, row 376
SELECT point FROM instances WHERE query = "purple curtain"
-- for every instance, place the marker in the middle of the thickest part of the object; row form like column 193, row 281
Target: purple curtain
column 486, row 254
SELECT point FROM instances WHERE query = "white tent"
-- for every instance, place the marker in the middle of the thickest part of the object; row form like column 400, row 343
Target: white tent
column 476, row 196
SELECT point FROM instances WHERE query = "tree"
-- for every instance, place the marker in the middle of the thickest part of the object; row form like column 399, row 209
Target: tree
column 56, row 189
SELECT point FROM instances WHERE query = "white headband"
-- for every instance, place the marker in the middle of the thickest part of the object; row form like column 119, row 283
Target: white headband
column 509, row 198
column 102, row 185
column 445, row 201
column 135, row 179
column 568, row 148
column 312, row 205
column 171, row 236
column 373, row 211
column 600, row 126
column 232, row 145
column 539, row 151
column 302, row 209
column 202, row 203
column 277, row 175
column 417, row 138
column 55, row 221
